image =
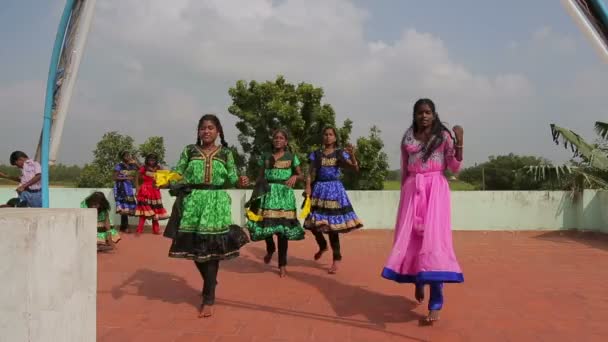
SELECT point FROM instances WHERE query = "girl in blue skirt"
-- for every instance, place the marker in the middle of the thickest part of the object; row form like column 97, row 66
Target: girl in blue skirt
column 331, row 211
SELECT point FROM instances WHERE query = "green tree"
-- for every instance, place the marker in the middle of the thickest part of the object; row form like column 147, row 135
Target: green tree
column 153, row 145
column 393, row 175
column 263, row 107
column 373, row 164
column 505, row 172
column 59, row 173
column 239, row 159
column 106, row 155
column 90, row 177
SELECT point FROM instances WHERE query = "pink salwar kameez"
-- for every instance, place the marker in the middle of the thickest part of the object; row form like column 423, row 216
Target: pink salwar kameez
column 422, row 249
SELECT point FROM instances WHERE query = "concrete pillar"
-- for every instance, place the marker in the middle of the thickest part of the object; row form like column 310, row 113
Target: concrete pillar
column 48, row 272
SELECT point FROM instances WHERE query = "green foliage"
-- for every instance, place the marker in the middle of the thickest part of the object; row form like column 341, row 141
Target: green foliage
column 153, row 145
column 373, row 164
column 455, row 185
column 264, row 107
column 106, row 155
column 90, row 177
column 506, row 172
column 601, row 128
column 239, row 159
column 10, row 170
column 589, row 165
column 393, row 175
column 590, row 154
column 58, row 174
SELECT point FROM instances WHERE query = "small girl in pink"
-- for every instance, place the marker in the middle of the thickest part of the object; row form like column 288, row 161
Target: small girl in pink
column 422, row 248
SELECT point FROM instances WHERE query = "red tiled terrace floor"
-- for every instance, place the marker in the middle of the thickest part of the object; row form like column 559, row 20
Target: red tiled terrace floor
column 533, row 286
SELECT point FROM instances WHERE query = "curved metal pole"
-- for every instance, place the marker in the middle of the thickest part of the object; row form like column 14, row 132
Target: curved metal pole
column 48, row 101
column 583, row 21
column 79, row 29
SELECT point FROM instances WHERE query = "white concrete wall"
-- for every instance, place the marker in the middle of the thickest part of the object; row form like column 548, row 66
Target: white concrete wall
column 471, row 210
column 48, row 272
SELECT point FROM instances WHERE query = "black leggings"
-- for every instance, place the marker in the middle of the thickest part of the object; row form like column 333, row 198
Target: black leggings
column 124, row 222
column 283, row 245
column 208, row 270
column 334, row 241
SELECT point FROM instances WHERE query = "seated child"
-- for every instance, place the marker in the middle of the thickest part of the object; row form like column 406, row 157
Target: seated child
column 107, row 236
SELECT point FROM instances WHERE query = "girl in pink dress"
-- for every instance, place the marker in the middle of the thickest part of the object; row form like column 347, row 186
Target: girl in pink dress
column 422, row 248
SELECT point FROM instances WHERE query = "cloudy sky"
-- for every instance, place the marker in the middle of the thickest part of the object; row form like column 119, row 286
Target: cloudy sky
column 504, row 70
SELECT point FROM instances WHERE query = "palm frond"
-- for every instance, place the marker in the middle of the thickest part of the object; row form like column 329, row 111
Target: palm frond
column 549, row 172
column 579, row 147
column 601, row 128
column 594, row 181
column 560, row 172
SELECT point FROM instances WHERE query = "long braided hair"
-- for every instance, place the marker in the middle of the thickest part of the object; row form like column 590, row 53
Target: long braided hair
column 216, row 121
column 437, row 137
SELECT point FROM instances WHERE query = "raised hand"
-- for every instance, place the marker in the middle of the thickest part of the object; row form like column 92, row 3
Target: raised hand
column 350, row 149
column 459, row 133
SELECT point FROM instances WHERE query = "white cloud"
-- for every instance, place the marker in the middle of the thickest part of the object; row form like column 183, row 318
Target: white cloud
column 152, row 67
column 316, row 41
column 547, row 36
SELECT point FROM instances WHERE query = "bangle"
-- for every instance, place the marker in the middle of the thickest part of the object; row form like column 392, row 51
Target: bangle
column 458, row 146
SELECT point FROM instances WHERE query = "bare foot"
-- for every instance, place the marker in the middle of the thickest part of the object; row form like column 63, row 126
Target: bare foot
column 267, row 258
column 419, row 293
column 320, row 253
column 432, row 317
column 282, row 272
column 334, row 267
column 208, row 310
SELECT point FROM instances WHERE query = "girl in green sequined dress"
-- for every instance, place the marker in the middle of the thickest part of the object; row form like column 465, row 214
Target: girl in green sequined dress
column 107, row 236
column 273, row 210
column 201, row 222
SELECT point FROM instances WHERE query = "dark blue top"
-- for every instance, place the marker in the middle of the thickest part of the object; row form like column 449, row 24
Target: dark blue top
column 329, row 169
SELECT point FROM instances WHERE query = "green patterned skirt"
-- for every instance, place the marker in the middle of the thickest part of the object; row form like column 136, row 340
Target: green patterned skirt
column 205, row 228
column 103, row 234
column 277, row 209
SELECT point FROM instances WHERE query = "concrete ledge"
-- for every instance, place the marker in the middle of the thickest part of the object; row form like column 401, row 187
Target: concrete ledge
column 49, row 275
column 471, row 210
